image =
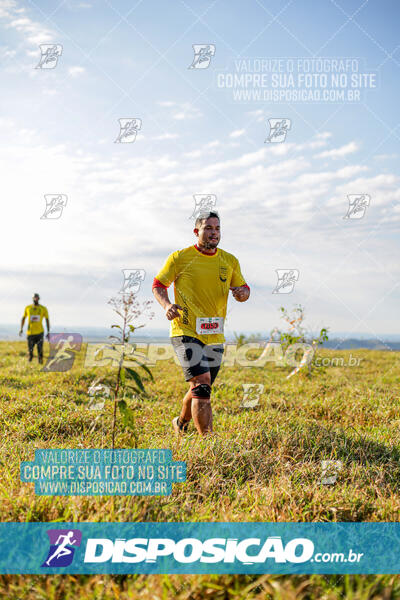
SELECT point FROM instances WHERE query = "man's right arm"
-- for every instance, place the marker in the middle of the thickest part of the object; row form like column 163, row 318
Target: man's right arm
column 22, row 324
column 161, row 295
column 167, row 274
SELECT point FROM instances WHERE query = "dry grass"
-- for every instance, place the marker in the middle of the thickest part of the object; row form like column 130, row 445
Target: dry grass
column 264, row 464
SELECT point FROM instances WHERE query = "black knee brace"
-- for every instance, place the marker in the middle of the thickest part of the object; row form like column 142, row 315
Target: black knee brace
column 203, row 390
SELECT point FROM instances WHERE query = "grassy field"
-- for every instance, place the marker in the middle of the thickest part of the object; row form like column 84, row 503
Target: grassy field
column 263, row 464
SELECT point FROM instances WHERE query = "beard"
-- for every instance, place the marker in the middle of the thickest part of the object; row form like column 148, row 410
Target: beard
column 211, row 244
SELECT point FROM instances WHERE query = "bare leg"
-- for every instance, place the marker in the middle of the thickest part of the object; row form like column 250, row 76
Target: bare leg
column 201, row 407
column 186, row 412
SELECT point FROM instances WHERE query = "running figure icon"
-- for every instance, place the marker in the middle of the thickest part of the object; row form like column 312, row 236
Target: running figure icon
column 62, row 549
column 63, row 348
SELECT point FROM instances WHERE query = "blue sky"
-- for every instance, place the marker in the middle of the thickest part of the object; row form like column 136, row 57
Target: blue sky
column 281, row 205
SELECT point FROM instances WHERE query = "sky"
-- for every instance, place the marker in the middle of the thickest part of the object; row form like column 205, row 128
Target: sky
column 129, row 205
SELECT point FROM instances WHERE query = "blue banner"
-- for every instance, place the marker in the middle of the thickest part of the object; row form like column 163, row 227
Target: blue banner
column 200, row 548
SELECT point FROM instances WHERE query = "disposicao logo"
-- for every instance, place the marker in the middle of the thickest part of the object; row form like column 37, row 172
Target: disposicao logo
column 190, row 550
column 62, row 547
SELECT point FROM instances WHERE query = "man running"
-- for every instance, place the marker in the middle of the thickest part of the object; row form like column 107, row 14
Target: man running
column 35, row 313
column 202, row 276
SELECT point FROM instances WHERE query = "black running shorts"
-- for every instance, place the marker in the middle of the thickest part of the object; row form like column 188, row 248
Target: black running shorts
column 197, row 358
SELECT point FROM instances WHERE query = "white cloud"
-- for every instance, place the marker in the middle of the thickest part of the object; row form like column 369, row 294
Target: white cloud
column 195, row 153
column 276, row 210
column 31, row 34
column 187, row 113
column 6, row 52
column 386, row 156
column 339, row 152
column 323, row 135
column 166, row 136
column 214, row 144
column 256, row 115
column 75, row 71
column 237, row 133
column 181, row 110
column 50, row 92
column 32, row 31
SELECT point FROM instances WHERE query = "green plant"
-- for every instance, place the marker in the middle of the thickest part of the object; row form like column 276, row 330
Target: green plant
column 298, row 334
column 241, row 339
column 128, row 382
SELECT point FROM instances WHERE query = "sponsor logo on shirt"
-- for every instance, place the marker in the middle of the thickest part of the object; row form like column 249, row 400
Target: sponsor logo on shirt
column 223, row 271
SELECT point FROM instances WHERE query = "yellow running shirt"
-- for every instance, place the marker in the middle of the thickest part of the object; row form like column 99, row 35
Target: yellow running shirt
column 201, row 287
column 35, row 314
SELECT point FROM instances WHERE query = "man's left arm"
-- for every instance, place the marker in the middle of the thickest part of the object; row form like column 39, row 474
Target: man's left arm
column 46, row 316
column 240, row 289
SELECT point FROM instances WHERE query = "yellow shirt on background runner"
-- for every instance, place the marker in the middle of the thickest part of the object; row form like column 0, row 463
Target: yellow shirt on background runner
column 201, row 287
column 35, row 314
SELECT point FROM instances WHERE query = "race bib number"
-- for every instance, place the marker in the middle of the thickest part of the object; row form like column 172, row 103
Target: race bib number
column 207, row 325
column 35, row 318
